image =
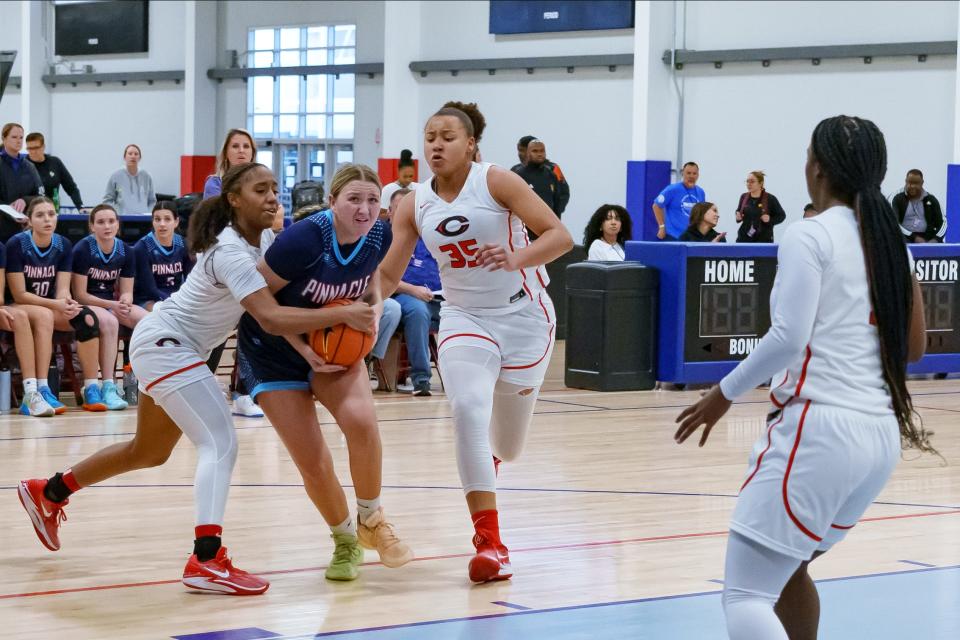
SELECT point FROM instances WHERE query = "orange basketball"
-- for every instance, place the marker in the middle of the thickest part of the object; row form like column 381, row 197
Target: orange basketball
column 340, row 344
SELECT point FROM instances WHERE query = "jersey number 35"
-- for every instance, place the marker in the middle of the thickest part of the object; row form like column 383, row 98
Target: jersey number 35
column 461, row 253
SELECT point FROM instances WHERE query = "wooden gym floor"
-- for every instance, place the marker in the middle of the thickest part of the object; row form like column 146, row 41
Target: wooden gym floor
column 614, row 532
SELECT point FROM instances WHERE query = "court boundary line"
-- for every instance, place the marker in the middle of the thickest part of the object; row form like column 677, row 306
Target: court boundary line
column 560, row 547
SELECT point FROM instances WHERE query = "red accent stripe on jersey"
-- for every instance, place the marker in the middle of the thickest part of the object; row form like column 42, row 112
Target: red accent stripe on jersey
column 549, row 340
column 786, row 477
column 841, row 527
column 764, row 452
column 540, row 278
column 174, row 373
column 773, row 399
column 803, row 372
column 523, row 274
column 467, row 335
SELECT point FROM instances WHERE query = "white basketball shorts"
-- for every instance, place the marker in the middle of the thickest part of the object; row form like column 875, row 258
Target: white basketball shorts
column 162, row 360
column 812, row 475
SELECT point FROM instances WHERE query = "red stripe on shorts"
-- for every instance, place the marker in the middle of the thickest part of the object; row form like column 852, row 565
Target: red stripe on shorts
column 174, row 373
column 786, row 477
column 764, row 452
column 841, row 527
column 467, row 335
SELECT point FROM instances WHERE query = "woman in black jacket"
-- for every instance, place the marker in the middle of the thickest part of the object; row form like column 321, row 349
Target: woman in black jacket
column 703, row 221
column 758, row 211
column 19, row 181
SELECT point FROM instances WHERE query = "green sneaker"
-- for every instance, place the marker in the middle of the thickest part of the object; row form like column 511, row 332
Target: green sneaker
column 347, row 556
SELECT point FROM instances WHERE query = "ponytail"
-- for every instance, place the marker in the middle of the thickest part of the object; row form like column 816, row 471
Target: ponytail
column 214, row 214
column 853, row 154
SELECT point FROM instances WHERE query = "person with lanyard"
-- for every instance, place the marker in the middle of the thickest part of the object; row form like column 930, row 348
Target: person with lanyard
column 703, row 223
column 38, row 279
column 53, row 173
column 497, row 321
column 103, row 272
column 332, row 255
column 673, row 206
column 919, row 213
column 405, row 180
column 846, row 315
column 607, row 231
column 758, row 211
column 163, row 262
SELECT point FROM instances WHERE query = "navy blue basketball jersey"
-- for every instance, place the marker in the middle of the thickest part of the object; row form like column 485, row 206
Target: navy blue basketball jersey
column 39, row 266
column 318, row 269
column 103, row 270
column 160, row 270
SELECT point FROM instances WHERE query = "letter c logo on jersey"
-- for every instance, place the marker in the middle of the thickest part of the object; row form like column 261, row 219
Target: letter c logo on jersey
column 453, row 226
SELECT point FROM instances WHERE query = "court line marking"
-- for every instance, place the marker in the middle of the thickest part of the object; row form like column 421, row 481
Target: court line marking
column 577, row 607
column 558, row 547
column 511, row 605
column 401, row 487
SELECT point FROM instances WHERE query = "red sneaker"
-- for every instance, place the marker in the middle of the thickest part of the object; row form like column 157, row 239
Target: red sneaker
column 492, row 561
column 45, row 515
column 219, row 575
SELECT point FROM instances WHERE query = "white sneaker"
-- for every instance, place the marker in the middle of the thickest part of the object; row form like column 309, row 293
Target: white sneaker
column 34, row 405
column 245, row 406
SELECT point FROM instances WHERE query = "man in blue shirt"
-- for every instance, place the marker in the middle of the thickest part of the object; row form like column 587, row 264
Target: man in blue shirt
column 672, row 207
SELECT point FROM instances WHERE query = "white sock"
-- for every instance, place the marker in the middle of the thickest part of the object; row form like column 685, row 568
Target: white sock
column 348, row 526
column 366, row 508
column 29, row 385
column 90, row 381
column 42, row 382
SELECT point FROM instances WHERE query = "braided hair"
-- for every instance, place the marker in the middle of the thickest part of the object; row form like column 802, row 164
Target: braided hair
column 853, row 155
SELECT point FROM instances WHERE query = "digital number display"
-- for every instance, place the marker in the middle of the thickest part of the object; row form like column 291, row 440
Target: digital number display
column 728, row 306
column 939, row 282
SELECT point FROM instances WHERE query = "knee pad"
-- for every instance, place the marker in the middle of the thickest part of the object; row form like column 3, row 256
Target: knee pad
column 85, row 330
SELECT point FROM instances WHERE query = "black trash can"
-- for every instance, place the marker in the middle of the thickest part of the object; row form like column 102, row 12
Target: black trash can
column 611, row 326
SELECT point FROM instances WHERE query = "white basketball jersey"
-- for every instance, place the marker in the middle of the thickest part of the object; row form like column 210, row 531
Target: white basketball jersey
column 841, row 364
column 453, row 232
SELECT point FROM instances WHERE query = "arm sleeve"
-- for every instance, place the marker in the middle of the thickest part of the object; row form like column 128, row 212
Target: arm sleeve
column 110, row 193
column 777, row 214
column 145, row 283
column 129, row 268
column 14, row 256
column 151, row 192
column 69, row 185
column 800, row 268
column 65, row 263
column 563, row 189
column 235, row 268
column 663, row 200
column 211, row 187
column 81, row 259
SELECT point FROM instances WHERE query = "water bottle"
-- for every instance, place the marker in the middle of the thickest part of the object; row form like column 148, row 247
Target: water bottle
column 4, row 389
column 131, row 391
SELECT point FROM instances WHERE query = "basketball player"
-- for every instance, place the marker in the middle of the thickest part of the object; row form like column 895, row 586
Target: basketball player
column 104, row 266
column 163, row 262
column 846, row 315
column 497, row 324
column 331, row 255
column 179, row 394
column 38, row 282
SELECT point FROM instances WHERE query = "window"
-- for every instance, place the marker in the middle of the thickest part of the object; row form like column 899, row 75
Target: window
column 319, row 106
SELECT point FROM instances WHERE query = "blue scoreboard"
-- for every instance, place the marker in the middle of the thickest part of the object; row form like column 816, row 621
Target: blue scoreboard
column 715, row 305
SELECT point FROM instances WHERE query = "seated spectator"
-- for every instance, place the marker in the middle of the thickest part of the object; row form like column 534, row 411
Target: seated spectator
column 809, row 211
column 130, row 189
column 163, row 261
column 607, row 231
column 19, row 180
column 53, row 173
column 38, row 279
column 103, row 272
column 919, row 213
column 703, row 222
column 672, row 208
column 758, row 211
column 238, row 148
